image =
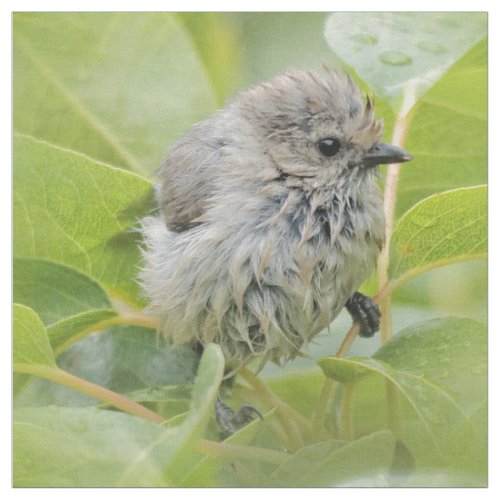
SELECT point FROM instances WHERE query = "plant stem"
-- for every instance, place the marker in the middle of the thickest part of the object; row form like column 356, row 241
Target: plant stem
column 322, row 406
column 291, row 420
column 399, row 135
column 348, row 341
column 96, row 391
column 346, row 430
column 129, row 319
column 236, row 452
column 329, row 385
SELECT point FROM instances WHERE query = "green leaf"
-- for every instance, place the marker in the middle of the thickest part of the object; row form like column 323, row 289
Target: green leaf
column 331, row 464
column 67, row 331
column 450, row 353
column 206, row 387
column 67, row 301
column 118, row 87
column 86, row 447
column 345, row 370
column 439, row 367
column 448, row 135
column 31, row 344
column 453, row 356
column 74, row 211
column 444, row 228
column 55, row 291
column 403, row 52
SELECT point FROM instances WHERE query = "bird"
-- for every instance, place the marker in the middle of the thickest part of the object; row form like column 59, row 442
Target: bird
column 270, row 218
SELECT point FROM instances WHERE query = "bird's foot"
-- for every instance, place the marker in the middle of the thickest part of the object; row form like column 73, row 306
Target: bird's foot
column 231, row 421
column 365, row 312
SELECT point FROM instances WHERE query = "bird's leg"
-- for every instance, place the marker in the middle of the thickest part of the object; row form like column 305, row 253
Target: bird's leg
column 231, row 421
column 365, row 312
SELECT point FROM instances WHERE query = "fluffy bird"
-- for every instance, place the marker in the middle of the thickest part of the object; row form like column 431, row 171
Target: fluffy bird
column 270, row 219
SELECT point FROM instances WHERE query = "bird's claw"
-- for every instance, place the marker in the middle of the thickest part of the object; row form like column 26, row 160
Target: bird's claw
column 231, row 421
column 365, row 312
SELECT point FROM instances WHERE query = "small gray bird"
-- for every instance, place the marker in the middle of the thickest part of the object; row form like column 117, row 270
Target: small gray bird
column 270, row 219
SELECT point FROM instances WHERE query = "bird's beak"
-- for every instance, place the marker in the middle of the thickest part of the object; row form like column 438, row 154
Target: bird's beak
column 383, row 154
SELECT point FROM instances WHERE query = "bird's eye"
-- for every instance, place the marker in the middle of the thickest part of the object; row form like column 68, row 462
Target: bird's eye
column 329, row 146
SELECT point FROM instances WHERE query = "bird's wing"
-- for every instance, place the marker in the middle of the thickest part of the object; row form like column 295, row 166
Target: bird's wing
column 187, row 180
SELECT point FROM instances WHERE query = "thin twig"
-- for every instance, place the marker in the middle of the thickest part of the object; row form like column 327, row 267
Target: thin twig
column 346, row 428
column 129, row 319
column 96, row 391
column 296, row 426
column 399, row 135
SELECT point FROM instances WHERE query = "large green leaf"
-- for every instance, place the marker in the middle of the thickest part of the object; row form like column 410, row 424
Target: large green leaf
column 444, row 228
column 400, row 53
column 333, row 463
column 86, row 447
column 439, row 367
column 449, row 353
column 31, row 343
column 67, row 301
column 118, row 87
column 72, row 210
column 448, row 135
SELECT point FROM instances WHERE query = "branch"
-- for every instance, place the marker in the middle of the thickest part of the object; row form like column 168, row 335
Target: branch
column 96, row 391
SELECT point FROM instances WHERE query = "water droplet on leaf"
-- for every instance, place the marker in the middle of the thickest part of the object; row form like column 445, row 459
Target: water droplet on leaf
column 395, row 58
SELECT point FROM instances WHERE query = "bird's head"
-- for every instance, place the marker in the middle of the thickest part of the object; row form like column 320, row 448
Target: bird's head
column 316, row 130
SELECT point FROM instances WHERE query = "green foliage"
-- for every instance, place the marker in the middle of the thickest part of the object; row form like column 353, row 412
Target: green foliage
column 446, row 227
column 53, row 445
column 66, row 300
column 31, row 343
column 106, row 82
column 332, row 463
column 65, row 211
column 444, row 385
column 412, row 50
column 449, row 132
column 97, row 91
